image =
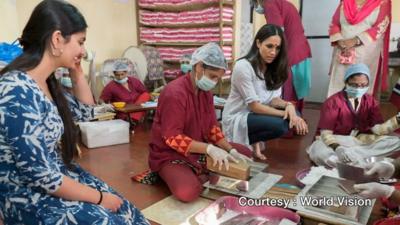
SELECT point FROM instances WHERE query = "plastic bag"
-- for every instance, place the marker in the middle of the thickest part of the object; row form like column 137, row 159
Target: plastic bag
column 8, row 52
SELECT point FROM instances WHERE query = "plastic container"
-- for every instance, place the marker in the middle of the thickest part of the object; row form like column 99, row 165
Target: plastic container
column 119, row 104
column 215, row 210
column 104, row 133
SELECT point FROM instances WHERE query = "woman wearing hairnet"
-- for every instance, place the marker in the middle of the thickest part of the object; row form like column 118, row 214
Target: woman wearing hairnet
column 185, row 128
column 63, row 75
column 255, row 111
column 127, row 89
column 351, row 126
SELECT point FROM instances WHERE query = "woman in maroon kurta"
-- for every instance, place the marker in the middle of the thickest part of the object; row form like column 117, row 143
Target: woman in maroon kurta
column 348, row 118
column 185, row 127
column 125, row 89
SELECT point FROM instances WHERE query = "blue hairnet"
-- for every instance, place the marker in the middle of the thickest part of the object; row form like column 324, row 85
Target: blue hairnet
column 356, row 69
column 210, row 54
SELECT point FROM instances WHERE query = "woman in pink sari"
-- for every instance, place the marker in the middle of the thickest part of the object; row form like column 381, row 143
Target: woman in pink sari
column 359, row 33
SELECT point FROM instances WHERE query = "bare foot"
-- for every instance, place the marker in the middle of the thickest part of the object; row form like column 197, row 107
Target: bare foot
column 260, row 155
column 257, row 151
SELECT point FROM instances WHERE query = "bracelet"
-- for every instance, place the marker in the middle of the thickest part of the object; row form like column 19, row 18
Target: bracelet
column 101, row 198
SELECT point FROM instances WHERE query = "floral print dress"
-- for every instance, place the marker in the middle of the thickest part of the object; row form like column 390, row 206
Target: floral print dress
column 31, row 167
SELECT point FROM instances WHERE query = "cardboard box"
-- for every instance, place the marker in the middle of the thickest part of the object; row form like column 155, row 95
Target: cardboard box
column 104, row 133
column 239, row 170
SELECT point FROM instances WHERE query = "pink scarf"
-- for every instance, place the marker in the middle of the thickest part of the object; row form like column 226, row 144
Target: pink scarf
column 353, row 15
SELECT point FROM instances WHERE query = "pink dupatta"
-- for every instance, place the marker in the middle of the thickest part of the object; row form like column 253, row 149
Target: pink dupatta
column 353, row 15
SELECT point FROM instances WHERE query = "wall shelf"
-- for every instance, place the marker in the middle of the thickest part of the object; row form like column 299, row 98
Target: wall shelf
column 185, row 7
column 188, row 25
column 219, row 25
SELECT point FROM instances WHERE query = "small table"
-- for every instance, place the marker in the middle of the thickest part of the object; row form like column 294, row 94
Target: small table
column 132, row 108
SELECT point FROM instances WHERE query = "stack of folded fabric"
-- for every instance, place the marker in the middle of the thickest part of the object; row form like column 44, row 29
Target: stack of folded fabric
column 209, row 15
column 172, row 73
column 175, row 54
column 150, row 3
column 185, row 35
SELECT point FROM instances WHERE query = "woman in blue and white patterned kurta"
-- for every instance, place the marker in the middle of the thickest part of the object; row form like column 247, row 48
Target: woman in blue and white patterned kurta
column 39, row 182
column 31, row 165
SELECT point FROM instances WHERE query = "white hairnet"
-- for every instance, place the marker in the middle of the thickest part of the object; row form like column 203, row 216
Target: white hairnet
column 210, row 54
column 120, row 66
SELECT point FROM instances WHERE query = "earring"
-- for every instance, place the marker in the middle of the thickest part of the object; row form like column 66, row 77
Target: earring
column 53, row 52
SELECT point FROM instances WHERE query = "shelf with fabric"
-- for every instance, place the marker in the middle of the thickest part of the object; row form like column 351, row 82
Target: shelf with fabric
column 178, row 27
column 189, row 6
column 189, row 25
column 181, row 43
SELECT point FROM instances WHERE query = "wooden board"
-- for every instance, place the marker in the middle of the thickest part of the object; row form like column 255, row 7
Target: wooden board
column 239, row 170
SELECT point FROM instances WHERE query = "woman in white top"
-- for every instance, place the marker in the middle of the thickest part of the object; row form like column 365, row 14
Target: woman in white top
column 255, row 111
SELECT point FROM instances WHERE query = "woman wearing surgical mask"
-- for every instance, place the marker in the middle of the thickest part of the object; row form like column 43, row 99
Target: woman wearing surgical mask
column 359, row 33
column 347, row 120
column 185, row 128
column 63, row 75
column 255, row 112
column 125, row 89
column 185, row 64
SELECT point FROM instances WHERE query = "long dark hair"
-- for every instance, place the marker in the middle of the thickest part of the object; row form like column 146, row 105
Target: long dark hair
column 47, row 17
column 277, row 71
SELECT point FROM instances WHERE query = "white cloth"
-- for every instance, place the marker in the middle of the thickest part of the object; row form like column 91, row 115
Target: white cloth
column 246, row 88
column 319, row 152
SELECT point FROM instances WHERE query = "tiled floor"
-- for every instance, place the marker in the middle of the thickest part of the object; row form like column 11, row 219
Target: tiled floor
column 116, row 164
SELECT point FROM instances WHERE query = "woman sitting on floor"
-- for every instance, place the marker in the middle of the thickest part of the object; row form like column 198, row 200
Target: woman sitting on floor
column 255, row 111
column 185, row 128
column 40, row 182
column 127, row 89
column 351, row 127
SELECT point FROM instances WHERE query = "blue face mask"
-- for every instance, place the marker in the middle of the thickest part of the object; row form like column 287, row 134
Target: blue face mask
column 186, row 68
column 353, row 92
column 205, row 83
column 122, row 81
column 66, row 82
column 259, row 9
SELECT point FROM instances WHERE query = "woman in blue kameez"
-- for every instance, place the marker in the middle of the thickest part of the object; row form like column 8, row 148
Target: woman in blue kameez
column 39, row 181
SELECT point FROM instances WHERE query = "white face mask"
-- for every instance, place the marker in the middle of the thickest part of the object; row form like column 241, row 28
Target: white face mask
column 66, row 82
column 122, row 81
column 353, row 92
column 205, row 83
